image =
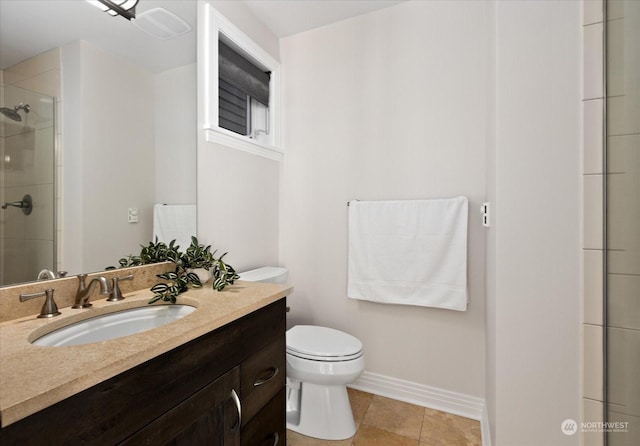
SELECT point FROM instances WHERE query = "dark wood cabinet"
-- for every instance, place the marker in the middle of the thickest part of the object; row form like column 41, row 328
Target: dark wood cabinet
column 268, row 427
column 192, row 395
column 209, row 417
column 262, row 382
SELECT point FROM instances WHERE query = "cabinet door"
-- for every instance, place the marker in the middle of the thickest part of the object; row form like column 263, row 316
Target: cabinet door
column 268, row 427
column 209, row 417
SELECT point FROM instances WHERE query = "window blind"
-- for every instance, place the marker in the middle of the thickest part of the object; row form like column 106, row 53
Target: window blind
column 238, row 80
column 243, row 74
column 232, row 108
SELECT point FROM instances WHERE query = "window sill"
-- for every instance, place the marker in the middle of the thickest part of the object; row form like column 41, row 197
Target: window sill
column 239, row 142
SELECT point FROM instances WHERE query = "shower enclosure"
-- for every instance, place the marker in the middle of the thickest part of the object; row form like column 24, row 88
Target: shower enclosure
column 27, row 184
column 622, row 291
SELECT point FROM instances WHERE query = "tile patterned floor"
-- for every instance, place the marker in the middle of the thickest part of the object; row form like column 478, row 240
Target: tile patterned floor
column 385, row 422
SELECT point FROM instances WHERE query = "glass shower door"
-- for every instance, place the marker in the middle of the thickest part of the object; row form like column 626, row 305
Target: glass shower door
column 27, row 184
column 622, row 325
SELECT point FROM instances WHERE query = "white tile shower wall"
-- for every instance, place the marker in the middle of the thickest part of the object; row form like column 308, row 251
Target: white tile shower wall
column 593, row 286
column 593, row 61
column 593, row 217
column 35, row 152
column 591, row 11
column 623, row 311
column 592, row 136
column 2, row 200
column 593, row 360
column 2, row 194
column 593, row 211
column 623, row 213
column 36, row 68
column 592, row 411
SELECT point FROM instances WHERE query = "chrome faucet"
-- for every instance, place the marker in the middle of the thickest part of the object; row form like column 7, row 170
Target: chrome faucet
column 84, row 292
column 49, row 308
column 116, row 293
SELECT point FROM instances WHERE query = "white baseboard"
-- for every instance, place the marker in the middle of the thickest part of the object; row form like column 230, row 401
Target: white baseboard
column 485, row 427
column 426, row 396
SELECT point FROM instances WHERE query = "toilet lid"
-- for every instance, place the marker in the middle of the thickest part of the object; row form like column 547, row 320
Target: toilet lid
column 322, row 343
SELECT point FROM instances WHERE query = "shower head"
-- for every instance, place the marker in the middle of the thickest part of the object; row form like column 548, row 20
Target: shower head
column 13, row 114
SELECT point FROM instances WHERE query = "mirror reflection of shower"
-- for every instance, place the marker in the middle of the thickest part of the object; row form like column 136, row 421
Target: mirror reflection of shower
column 27, row 184
column 12, row 113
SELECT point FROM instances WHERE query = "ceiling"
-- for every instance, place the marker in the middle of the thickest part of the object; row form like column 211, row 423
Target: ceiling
column 31, row 27
column 288, row 17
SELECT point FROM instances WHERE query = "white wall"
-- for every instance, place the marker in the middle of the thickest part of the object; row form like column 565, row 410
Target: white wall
column 238, row 205
column 390, row 105
column 242, row 17
column 175, row 136
column 432, row 99
column 533, row 300
column 108, row 135
column 238, row 193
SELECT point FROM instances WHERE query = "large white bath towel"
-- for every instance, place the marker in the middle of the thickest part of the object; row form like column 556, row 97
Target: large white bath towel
column 410, row 252
column 174, row 222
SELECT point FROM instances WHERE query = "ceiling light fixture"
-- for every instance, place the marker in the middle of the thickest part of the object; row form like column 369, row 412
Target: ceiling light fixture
column 125, row 8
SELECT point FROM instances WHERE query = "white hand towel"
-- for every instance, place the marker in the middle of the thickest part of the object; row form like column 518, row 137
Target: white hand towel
column 410, row 252
column 174, row 222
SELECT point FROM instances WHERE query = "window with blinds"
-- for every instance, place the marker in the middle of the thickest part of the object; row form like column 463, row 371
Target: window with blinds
column 232, row 104
column 243, row 93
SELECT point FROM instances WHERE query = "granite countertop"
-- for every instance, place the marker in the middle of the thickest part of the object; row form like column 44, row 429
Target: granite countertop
column 33, row 377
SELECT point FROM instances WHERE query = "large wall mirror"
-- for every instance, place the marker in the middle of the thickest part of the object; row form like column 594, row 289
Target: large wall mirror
column 98, row 125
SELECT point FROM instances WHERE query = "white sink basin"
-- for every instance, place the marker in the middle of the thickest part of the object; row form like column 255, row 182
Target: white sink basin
column 114, row 325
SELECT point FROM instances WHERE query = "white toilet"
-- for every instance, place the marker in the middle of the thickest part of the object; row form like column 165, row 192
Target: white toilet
column 321, row 362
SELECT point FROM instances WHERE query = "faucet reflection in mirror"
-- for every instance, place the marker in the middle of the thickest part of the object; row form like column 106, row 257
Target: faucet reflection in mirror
column 47, row 274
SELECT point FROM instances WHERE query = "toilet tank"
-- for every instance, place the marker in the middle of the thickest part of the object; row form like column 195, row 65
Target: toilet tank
column 270, row 274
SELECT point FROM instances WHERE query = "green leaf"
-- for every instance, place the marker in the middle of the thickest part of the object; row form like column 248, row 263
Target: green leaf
column 193, row 278
column 159, row 288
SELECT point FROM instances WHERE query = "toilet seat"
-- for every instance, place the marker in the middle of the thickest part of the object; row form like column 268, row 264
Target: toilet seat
column 322, row 344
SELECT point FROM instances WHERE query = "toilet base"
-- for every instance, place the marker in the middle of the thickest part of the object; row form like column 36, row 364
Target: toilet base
column 322, row 411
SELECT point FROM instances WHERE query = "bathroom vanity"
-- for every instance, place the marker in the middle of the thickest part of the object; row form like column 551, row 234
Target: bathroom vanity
column 215, row 377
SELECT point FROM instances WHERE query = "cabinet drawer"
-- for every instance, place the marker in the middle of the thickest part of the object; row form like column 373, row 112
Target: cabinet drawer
column 262, row 376
column 208, row 418
column 268, row 427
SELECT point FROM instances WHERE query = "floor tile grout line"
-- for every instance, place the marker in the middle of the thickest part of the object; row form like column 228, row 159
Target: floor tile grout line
column 424, row 414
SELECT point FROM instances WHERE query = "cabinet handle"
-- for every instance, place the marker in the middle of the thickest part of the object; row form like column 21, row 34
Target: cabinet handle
column 272, row 372
column 236, row 400
column 276, row 438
